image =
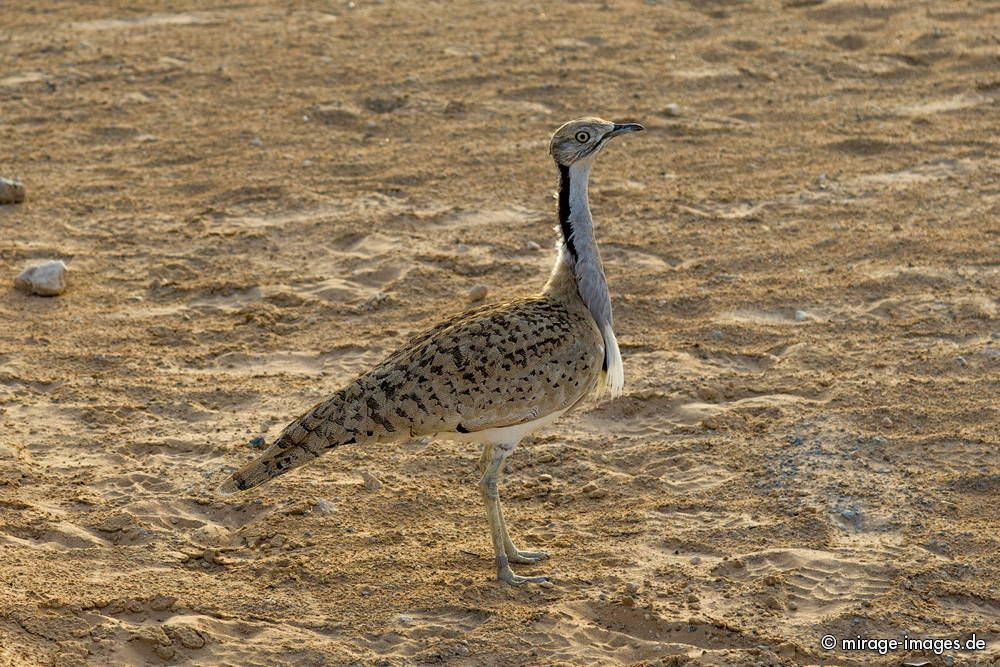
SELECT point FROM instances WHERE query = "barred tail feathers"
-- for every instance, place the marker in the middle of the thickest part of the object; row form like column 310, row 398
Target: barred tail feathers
column 302, row 441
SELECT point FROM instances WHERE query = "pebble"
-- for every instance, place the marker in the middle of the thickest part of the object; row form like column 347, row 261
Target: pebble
column 11, row 192
column 45, row 279
column 405, row 619
column 478, row 293
column 324, row 506
column 188, row 637
column 372, row 483
column 886, row 422
column 165, row 652
column 257, row 442
column 801, row 316
column 696, row 560
column 532, row 245
column 632, row 587
column 672, row 110
column 162, row 602
column 545, row 478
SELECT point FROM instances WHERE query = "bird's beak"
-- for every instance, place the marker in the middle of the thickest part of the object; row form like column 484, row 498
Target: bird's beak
column 624, row 128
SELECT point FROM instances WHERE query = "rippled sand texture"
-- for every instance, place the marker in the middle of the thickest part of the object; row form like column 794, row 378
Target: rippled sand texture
column 257, row 202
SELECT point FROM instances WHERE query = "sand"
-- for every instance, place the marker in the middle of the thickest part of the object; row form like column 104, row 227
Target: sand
column 256, row 202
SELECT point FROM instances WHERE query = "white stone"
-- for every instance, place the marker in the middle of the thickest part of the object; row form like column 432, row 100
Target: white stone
column 372, row 483
column 324, row 506
column 11, row 192
column 478, row 293
column 45, row 279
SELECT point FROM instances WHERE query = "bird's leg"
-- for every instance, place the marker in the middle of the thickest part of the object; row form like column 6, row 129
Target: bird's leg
column 514, row 555
column 491, row 495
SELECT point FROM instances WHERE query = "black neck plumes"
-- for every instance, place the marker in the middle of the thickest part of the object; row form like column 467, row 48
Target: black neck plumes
column 564, row 223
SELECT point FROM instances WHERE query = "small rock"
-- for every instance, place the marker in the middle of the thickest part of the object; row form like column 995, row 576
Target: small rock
column 116, row 523
column 672, row 110
column 695, row 560
column 532, row 245
column 324, row 506
column 455, row 108
column 165, row 652
column 961, row 361
column 188, row 636
column 11, row 192
column 256, row 141
column 801, row 316
column 162, row 602
column 632, row 587
column 386, row 103
column 545, row 479
column 886, row 422
column 257, row 442
column 372, row 483
column 45, row 279
column 478, row 293
column 405, row 619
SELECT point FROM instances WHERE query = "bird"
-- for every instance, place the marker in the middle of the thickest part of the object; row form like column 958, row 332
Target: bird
column 490, row 375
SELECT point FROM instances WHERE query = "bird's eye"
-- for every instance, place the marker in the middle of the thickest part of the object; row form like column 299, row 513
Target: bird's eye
column 583, row 137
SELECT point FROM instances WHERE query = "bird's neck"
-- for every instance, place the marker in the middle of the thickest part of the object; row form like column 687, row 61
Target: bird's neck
column 578, row 266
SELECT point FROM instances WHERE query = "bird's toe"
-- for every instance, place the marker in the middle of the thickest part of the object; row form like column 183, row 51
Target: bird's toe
column 527, row 557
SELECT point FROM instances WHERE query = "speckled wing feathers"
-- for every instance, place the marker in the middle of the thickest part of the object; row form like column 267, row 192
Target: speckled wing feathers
column 490, row 367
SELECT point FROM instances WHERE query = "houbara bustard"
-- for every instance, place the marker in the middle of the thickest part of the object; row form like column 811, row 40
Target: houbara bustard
column 491, row 375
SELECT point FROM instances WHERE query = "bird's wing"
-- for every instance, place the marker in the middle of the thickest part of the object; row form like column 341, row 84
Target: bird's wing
column 491, row 367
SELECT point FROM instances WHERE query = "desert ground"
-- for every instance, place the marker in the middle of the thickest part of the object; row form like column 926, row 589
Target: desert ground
column 258, row 200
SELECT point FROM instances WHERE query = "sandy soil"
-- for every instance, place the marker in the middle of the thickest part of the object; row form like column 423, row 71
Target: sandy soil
column 257, row 202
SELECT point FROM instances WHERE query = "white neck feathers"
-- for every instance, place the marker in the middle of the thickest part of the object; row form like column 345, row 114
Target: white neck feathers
column 580, row 255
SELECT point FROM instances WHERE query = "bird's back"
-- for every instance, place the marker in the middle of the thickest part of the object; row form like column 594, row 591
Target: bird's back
column 491, row 367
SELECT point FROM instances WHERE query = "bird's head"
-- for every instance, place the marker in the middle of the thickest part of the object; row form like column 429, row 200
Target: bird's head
column 584, row 138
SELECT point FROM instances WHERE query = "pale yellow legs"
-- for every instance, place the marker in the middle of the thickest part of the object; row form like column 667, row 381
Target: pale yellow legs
column 490, row 465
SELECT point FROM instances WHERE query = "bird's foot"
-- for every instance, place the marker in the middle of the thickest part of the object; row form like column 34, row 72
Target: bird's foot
column 526, row 557
column 509, row 577
column 505, row 574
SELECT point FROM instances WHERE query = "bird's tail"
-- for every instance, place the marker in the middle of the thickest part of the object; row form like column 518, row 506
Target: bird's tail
column 275, row 461
column 302, row 441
